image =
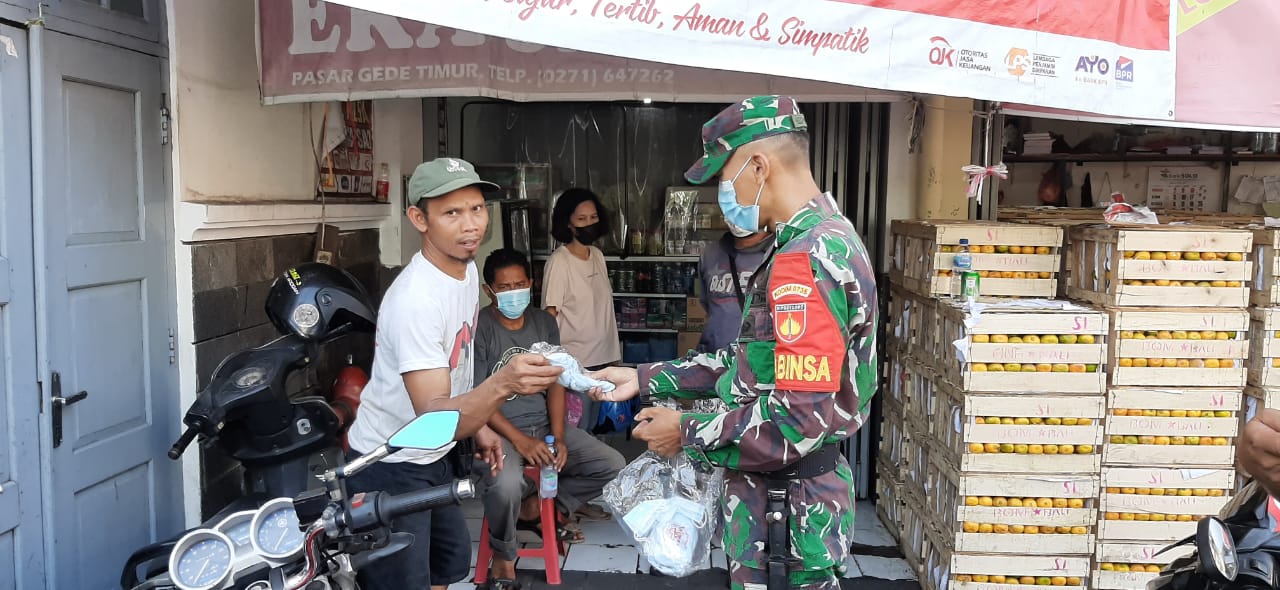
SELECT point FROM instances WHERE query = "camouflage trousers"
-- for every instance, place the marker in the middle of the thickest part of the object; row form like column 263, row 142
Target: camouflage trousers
column 822, row 511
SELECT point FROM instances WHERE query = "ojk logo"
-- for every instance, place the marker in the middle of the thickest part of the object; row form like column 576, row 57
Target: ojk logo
column 942, row 54
column 1092, row 64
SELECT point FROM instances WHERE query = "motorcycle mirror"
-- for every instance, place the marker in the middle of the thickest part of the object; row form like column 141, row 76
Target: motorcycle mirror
column 1217, row 550
column 427, row 432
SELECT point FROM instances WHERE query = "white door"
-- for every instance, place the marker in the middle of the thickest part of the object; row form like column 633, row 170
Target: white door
column 21, row 536
column 109, row 310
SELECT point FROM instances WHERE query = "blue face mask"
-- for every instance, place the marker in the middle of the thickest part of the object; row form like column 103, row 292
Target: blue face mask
column 512, row 303
column 744, row 217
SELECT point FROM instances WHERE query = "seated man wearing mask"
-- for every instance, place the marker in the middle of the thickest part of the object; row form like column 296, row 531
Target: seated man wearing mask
column 505, row 329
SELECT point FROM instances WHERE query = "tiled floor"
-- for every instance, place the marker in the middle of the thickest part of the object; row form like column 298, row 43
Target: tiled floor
column 608, row 549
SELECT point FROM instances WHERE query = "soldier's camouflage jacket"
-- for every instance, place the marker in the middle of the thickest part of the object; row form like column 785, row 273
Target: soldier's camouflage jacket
column 800, row 375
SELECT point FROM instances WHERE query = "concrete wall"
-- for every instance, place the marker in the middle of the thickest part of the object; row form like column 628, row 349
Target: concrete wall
column 245, row 208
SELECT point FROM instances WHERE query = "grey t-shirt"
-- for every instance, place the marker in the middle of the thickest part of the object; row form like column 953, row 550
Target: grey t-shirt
column 495, row 344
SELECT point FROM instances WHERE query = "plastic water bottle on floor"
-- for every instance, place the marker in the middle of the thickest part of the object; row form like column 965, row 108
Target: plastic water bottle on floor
column 549, row 481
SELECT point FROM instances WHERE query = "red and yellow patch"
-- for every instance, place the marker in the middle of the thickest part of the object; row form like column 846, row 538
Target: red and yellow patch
column 809, row 343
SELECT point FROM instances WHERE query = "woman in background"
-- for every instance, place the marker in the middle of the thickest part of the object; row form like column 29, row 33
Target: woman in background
column 576, row 289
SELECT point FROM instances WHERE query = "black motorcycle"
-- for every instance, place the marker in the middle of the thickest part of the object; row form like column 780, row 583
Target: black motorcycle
column 1238, row 549
column 284, row 443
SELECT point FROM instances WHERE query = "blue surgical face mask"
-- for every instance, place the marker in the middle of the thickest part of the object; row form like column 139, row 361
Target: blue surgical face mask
column 512, row 303
column 744, row 217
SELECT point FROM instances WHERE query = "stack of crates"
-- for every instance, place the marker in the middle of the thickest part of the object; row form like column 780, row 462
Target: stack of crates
column 1176, row 297
column 1016, row 444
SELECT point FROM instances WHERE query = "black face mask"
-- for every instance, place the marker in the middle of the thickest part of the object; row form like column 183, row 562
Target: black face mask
column 588, row 234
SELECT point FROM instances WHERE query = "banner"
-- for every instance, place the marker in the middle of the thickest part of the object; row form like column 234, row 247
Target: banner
column 1224, row 78
column 312, row 51
column 1105, row 56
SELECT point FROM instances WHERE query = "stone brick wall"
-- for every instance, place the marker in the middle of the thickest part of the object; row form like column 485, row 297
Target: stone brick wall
column 230, row 281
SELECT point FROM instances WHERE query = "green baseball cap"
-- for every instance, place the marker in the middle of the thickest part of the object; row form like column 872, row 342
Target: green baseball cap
column 442, row 176
column 741, row 123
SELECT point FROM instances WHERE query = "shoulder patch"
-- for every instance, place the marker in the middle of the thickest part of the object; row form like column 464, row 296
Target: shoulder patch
column 810, row 349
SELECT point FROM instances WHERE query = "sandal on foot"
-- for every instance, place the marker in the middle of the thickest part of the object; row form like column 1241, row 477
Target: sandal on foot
column 565, row 532
column 593, row 512
column 503, row 584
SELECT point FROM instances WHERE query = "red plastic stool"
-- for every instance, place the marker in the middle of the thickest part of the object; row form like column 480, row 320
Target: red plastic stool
column 549, row 552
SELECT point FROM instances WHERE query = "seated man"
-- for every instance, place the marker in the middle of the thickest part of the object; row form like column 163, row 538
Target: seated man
column 505, row 329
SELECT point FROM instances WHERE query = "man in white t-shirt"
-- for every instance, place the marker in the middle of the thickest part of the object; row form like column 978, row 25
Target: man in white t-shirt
column 423, row 362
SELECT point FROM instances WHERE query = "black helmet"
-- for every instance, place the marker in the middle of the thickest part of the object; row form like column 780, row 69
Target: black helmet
column 314, row 301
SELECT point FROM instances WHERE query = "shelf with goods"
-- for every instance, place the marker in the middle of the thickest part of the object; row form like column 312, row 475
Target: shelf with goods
column 1018, row 260
column 1178, row 347
column 1160, row 504
column 1160, row 266
column 1129, row 566
column 1191, row 427
column 992, row 351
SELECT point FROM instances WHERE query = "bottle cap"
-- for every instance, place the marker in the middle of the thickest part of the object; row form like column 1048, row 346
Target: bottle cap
column 550, row 439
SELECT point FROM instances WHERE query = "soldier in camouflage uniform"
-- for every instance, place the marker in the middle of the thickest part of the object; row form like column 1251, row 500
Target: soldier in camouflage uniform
column 800, row 376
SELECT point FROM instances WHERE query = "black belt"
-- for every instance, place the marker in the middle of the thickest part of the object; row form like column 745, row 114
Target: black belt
column 822, row 461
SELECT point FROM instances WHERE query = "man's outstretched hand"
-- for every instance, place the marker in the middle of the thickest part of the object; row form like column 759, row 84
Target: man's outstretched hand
column 527, row 374
column 625, row 380
column 1259, row 450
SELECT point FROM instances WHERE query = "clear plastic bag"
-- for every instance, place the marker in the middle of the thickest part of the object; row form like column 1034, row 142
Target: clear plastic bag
column 671, row 508
column 574, row 377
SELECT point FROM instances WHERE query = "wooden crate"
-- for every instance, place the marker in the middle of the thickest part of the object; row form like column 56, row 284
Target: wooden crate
column 889, row 502
column 895, row 387
column 1063, row 217
column 913, row 322
column 998, row 448
column 947, row 569
column 1160, row 504
column 1013, row 513
column 985, row 364
column 923, row 383
column 1142, row 337
column 893, row 435
column 922, row 256
column 1256, row 397
column 1264, row 347
column 1153, row 440
column 915, row 454
column 1129, row 555
column 1265, row 285
column 1108, row 268
column 916, row 539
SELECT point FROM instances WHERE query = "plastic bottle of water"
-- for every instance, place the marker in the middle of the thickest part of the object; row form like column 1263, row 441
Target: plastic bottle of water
column 960, row 264
column 549, row 480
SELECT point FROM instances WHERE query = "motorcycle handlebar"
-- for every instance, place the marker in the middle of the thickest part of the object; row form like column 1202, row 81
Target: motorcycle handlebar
column 178, row 447
column 392, row 507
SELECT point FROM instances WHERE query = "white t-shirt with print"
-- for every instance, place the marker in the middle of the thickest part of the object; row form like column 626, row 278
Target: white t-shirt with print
column 426, row 321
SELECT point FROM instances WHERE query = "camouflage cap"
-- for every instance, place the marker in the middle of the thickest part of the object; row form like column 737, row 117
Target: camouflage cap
column 742, row 123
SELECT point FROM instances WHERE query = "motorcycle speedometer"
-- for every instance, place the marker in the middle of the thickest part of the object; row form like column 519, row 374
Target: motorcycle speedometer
column 276, row 532
column 201, row 560
column 251, row 376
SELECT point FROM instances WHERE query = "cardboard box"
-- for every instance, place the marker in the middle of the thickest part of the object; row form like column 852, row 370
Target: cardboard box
column 687, row 341
column 695, row 315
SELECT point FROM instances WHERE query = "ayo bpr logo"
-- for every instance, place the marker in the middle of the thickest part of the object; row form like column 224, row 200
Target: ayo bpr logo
column 1018, row 60
column 1092, row 64
column 942, row 54
column 790, row 319
column 1124, row 69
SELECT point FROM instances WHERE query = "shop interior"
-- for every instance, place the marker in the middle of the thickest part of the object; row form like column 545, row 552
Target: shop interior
column 634, row 154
